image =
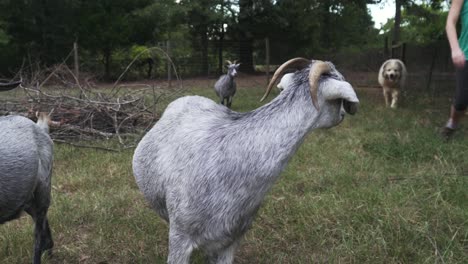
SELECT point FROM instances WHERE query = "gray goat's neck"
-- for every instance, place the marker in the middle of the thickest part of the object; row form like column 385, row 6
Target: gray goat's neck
column 276, row 130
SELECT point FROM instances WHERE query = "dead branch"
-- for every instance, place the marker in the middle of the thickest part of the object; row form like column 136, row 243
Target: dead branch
column 83, row 112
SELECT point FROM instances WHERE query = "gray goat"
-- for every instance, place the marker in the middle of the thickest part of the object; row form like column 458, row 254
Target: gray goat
column 26, row 152
column 206, row 169
column 225, row 87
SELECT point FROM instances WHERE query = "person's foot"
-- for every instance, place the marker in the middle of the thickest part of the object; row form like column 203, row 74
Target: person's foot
column 447, row 133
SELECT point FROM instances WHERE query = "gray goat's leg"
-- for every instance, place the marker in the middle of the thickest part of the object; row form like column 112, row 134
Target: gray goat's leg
column 224, row 256
column 229, row 101
column 180, row 248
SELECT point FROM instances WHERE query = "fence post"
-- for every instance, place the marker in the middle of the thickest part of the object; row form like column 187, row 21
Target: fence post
column 169, row 69
column 431, row 69
column 76, row 59
column 267, row 59
column 403, row 52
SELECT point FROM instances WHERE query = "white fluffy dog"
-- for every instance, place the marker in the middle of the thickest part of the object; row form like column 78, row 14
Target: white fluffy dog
column 392, row 78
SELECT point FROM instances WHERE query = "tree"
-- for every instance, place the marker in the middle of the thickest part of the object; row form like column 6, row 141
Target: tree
column 40, row 30
column 434, row 4
column 201, row 20
column 3, row 35
column 225, row 20
column 423, row 23
column 105, row 25
column 308, row 28
column 396, row 30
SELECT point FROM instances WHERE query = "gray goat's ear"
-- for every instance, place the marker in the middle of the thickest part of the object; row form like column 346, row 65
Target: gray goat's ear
column 334, row 72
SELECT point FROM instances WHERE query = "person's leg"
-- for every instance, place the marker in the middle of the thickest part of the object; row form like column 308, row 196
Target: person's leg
column 460, row 102
column 455, row 117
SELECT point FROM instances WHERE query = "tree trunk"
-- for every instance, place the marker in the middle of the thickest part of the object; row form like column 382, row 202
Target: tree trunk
column 107, row 61
column 396, row 28
column 150, row 63
column 246, row 55
column 220, row 53
column 221, row 41
column 76, row 60
column 204, row 50
column 326, row 31
column 245, row 38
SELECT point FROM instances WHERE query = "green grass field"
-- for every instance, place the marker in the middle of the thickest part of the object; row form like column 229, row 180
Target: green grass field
column 382, row 187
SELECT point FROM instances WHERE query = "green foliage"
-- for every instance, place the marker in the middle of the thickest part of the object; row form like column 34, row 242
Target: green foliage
column 44, row 31
column 313, row 27
column 39, row 29
column 422, row 23
column 156, row 21
column 3, row 37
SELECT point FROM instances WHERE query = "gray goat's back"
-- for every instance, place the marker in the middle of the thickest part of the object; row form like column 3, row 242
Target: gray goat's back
column 149, row 165
column 25, row 162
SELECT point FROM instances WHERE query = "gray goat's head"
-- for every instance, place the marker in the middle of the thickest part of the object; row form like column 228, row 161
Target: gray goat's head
column 337, row 96
column 232, row 68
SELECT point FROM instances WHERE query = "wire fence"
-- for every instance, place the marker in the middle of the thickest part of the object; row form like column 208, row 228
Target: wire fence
column 429, row 66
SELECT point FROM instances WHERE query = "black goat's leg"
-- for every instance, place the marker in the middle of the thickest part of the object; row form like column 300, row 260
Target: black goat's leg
column 42, row 235
column 46, row 240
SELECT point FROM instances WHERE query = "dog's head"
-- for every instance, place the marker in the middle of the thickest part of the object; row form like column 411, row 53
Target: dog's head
column 393, row 70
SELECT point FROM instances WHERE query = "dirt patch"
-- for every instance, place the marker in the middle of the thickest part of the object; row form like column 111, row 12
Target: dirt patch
column 242, row 80
column 357, row 79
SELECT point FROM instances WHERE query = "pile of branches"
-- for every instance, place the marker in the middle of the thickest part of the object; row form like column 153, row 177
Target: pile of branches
column 81, row 111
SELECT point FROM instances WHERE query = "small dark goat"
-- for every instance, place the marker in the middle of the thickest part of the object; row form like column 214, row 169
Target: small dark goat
column 25, row 174
column 225, row 87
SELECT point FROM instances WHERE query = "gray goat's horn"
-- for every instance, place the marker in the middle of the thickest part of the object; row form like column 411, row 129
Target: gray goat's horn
column 292, row 63
column 228, row 61
column 318, row 68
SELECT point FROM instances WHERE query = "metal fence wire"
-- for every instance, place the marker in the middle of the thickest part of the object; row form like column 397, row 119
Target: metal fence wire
column 429, row 66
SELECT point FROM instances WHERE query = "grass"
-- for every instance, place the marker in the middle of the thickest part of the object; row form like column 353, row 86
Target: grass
column 380, row 188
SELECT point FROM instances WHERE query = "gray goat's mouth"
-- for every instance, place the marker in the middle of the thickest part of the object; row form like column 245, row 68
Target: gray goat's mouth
column 350, row 107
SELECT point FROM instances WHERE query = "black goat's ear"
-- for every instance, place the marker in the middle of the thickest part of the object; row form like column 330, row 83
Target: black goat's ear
column 9, row 86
